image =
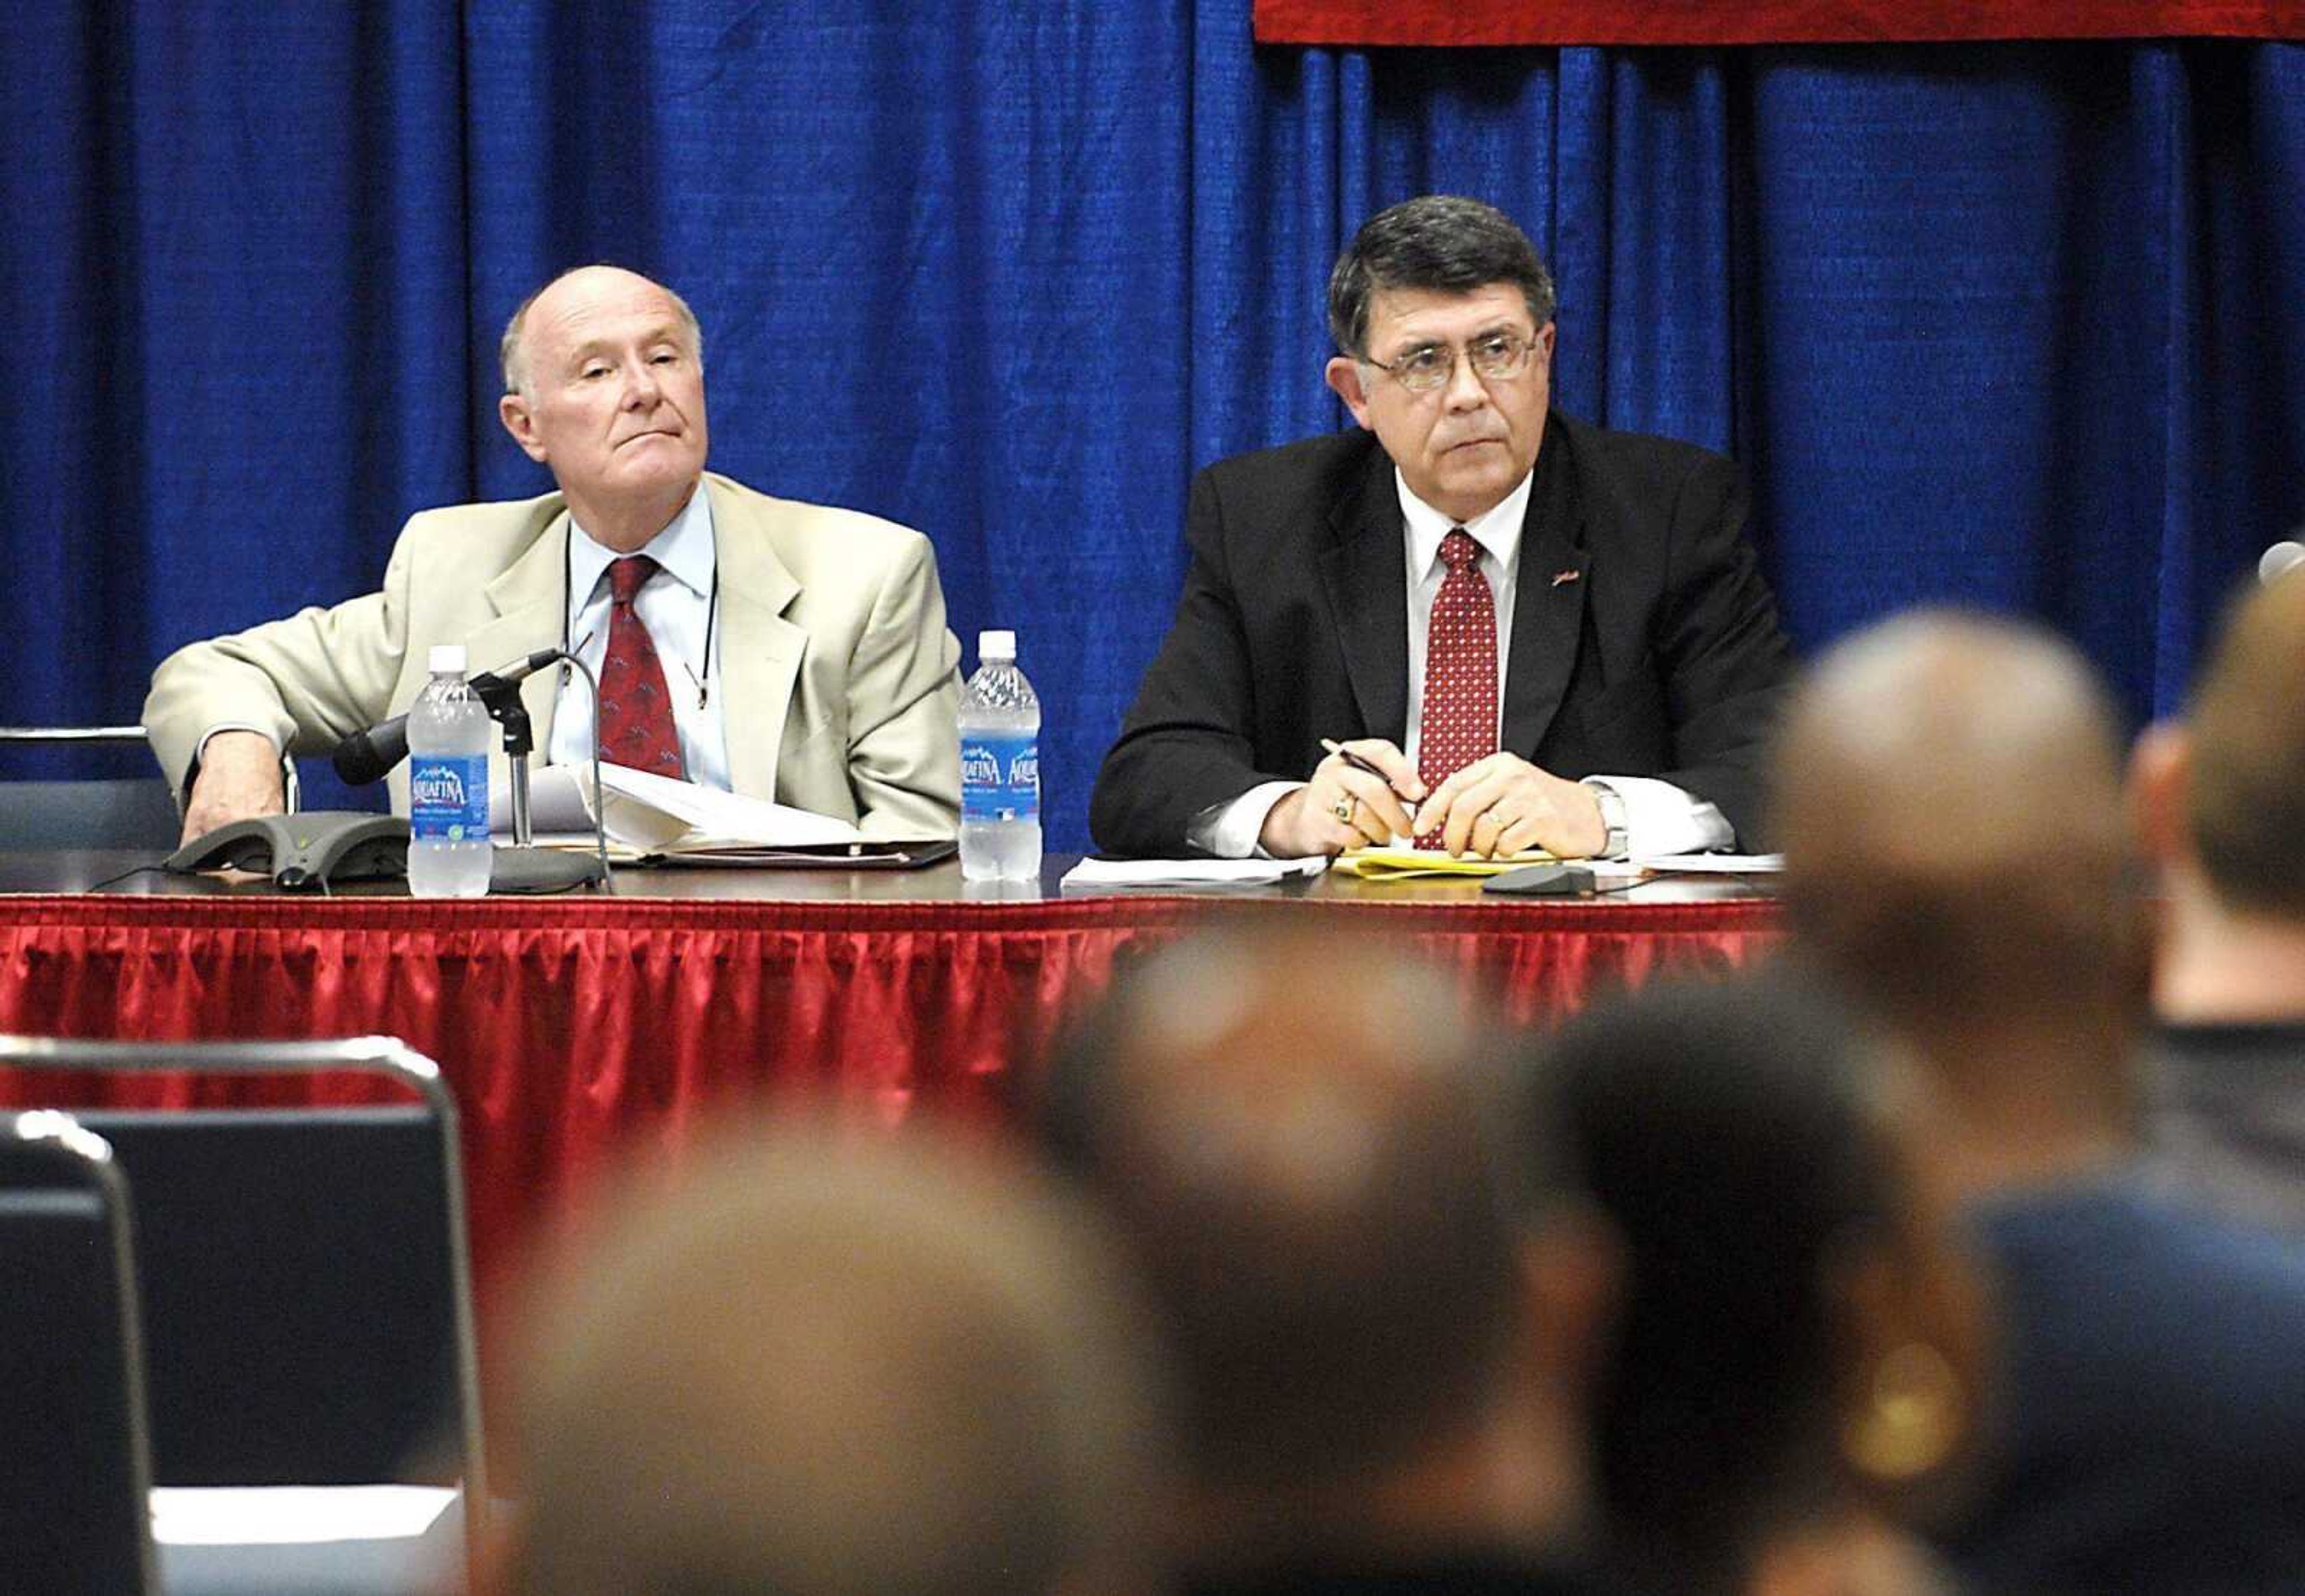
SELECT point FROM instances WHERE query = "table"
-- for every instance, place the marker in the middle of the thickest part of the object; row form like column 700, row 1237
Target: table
column 580, row 1031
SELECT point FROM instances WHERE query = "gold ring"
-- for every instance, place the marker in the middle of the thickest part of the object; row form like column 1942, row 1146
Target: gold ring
column 1343, row 808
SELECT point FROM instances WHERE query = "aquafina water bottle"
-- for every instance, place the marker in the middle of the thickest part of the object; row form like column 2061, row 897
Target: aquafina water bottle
column 449, row 854
column 1000, row 767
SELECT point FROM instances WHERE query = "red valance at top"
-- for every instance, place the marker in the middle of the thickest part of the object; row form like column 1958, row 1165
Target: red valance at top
column 1762, row 21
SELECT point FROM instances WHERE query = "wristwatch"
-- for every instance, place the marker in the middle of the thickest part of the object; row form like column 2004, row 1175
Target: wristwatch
column 1612, row 817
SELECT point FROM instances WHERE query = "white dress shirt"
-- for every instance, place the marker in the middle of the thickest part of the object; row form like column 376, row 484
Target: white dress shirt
column 677, row 606
column 1660, row 817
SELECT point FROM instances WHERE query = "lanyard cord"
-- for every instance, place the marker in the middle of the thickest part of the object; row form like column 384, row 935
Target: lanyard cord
column 567, row 609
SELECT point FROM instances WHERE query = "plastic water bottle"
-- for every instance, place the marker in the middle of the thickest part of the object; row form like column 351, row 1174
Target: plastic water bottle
column 1000, row 767
column 449, row 854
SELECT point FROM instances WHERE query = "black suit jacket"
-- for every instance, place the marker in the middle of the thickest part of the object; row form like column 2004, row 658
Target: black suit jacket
column 1660, row 656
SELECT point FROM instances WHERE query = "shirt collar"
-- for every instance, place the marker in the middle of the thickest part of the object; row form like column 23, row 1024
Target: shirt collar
column 684, row 548
column 1497, row 529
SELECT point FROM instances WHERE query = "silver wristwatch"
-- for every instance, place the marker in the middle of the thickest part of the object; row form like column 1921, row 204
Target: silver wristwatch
column 1612, row 817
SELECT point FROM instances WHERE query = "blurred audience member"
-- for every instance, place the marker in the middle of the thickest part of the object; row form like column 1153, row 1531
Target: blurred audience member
column 1382, row 1304
column 1964, row 867
column 1950, row 810
column 832, row 1369
column 2221, row 802
column 1796, row 1355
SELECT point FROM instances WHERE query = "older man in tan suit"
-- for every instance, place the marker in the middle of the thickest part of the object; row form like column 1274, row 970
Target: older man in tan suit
column 804, row 650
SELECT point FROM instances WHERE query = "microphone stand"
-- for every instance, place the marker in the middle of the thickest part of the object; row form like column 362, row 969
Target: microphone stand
column 524, row 867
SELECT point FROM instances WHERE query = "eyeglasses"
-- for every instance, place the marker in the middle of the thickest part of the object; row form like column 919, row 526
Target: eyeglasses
column 1495, row 357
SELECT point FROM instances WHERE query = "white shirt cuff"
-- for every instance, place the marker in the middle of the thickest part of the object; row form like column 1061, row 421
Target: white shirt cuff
column 1660, row 818
column 1229, row 830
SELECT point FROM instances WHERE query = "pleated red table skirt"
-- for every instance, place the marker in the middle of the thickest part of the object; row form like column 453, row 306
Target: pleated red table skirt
column 576, row 1032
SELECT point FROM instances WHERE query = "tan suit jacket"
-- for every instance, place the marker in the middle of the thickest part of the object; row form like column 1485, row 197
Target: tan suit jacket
column 839, row 675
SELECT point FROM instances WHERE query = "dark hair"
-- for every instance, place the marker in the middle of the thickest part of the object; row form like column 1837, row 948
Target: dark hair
column 1732, row 1133
column 1437, row 241
column 2246, row 804
column 1319, row 1331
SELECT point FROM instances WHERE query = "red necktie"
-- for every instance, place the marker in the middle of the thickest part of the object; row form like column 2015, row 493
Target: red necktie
column 1458, row 724
column 636, row 724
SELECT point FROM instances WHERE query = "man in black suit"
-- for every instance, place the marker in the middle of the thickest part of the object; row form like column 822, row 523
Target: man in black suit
column 1625, row 657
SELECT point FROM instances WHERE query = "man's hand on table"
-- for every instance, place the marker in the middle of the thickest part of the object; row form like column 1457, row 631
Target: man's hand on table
column 239, row 779
column 1503, row 804
column 1375, row 812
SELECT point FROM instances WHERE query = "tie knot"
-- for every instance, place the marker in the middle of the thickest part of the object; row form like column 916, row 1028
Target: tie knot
column 1458, row 551
column 627, row 575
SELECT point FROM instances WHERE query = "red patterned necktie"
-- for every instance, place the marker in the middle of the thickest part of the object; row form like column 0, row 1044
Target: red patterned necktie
column 636, row 724
column 1459, row 722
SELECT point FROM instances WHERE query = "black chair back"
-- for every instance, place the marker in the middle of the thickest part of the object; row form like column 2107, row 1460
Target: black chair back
column 294, row 1264
column 75, row 1475
column 307, row 1296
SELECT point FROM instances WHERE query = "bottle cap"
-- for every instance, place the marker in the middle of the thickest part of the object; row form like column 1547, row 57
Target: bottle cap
column 996, row 645
column 447, row 656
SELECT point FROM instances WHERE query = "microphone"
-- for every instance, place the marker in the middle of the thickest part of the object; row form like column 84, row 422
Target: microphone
column 2279, row 560
column 365, row 756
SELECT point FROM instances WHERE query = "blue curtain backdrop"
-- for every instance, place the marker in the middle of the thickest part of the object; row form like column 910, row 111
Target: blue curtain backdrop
column 2017, row 325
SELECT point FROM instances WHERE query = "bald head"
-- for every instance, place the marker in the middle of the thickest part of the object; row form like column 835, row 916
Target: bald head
column 1308, row 1150
column 832, row 1369
column 512, row 349
column 1949, row 797
column 605, row 379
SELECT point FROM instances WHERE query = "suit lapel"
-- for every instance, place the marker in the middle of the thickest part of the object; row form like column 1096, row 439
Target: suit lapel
column 1362, row 572
column 1548, row 596
column 761, row 651
column 529, row 597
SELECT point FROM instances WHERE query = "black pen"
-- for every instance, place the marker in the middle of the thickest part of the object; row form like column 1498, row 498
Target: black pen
column 1358, row 763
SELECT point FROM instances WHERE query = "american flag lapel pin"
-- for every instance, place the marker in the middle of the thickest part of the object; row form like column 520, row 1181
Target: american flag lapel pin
column 1561, row 579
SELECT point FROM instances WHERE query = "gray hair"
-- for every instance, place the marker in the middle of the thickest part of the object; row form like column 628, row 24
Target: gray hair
column 514, row 357
column 1440, row 242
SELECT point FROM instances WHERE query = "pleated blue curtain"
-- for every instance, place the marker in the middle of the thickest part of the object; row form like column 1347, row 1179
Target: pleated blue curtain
column 2013, row 324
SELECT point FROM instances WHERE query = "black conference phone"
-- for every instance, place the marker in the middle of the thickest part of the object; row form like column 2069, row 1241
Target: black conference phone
column 304, row 849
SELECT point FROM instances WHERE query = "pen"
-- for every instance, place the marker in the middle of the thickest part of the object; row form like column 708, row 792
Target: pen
column 1358, row 763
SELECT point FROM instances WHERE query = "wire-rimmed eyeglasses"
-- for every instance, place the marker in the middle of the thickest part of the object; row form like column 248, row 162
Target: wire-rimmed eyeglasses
column 1495, row 357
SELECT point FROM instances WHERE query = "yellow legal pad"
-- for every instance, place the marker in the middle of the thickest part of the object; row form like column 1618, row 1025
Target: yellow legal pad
column 1398, row 864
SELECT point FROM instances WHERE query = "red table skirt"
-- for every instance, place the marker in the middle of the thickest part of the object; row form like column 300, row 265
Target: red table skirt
column 575, row 1033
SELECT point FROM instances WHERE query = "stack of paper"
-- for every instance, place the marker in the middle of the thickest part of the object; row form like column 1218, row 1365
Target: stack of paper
column 1713, row 864
column 1396, row 863
column 1095, row 875
column 646, row 814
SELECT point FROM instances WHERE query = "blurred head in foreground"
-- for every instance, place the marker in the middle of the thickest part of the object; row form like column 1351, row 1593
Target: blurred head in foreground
column 1797, row 1345
column 824, row 1368
column 2221, row 800
column 1957, row 857
column 1379, row 1299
